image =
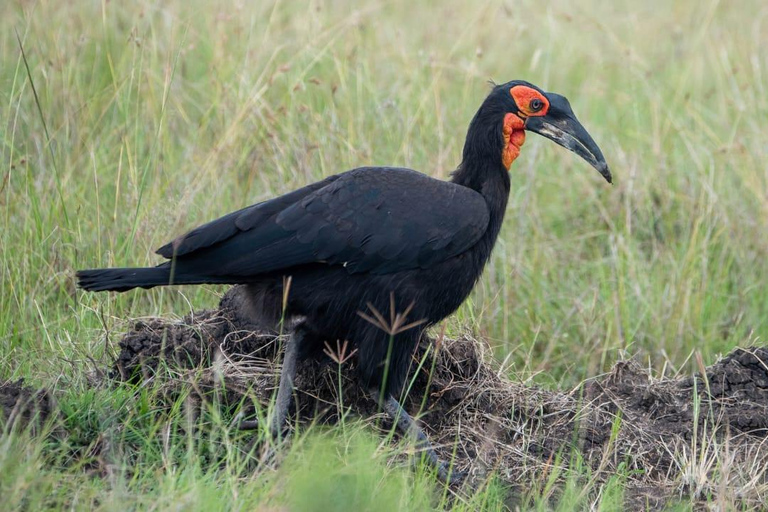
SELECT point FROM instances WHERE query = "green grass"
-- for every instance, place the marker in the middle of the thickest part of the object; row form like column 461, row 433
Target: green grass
column 162, row 116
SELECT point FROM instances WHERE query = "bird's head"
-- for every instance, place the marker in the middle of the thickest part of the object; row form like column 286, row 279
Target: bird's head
column 515, row 107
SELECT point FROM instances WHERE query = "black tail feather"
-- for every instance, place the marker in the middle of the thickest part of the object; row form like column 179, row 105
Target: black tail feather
column 123, row 279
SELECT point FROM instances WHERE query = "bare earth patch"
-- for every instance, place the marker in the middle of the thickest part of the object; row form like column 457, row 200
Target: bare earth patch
column 25, row 405
column 669, row 437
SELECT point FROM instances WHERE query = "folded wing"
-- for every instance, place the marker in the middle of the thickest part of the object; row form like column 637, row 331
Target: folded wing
column 376, row 220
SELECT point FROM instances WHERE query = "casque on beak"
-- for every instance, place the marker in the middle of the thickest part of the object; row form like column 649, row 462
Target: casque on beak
column 560, row 125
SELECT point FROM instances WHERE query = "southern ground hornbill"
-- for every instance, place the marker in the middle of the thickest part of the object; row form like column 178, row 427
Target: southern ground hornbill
column 333, row 255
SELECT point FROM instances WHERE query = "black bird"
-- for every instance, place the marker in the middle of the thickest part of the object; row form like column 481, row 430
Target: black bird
column 347, row 247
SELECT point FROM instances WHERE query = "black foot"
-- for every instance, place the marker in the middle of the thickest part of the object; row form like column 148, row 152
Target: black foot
column 449, row 476
column 254, row 425
column 239, row 423
column 248, row 425
column 411, row 430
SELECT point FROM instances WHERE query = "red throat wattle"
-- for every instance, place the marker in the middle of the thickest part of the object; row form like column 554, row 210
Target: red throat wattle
column 514, row 136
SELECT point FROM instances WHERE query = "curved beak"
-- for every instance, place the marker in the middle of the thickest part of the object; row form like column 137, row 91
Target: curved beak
column 560, row 125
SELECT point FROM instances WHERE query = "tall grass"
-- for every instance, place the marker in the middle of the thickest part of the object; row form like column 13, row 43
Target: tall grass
column 164, row 115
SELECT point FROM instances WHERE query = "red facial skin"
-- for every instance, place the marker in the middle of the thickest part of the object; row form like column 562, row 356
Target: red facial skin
column 514, row 124
column 514, row 134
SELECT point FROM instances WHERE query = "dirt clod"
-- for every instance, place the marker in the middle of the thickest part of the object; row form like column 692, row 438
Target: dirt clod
column 24, row 405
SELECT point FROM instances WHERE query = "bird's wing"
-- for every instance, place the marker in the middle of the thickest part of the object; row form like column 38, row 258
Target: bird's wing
column 226, row 227
column 376, row 220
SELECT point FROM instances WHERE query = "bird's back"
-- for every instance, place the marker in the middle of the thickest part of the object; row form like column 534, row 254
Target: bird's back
column 368, row 220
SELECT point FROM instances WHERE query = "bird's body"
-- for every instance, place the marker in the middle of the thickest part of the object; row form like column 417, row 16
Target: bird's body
column 341, row 256
column 381, row 235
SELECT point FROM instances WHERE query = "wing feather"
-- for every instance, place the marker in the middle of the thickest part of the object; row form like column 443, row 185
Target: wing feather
column 377, row 220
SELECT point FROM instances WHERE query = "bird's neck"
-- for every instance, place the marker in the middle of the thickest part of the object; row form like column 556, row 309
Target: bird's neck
column 490, row 178
column 493, row 142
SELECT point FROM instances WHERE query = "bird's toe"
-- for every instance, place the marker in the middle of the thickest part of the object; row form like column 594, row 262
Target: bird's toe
column 449, row 475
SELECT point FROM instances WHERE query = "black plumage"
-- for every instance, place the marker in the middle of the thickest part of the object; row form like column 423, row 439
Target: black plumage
column 358, row 242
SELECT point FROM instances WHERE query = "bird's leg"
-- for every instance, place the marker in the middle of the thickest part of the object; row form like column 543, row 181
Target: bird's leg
column 285, row 389
column 287, row 375
column 411, row 430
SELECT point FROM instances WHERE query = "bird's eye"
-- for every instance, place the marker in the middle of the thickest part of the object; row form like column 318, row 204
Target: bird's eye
column 536, row 104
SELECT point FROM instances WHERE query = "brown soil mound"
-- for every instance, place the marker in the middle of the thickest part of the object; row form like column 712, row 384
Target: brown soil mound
column 667, row 437
column 26, row 406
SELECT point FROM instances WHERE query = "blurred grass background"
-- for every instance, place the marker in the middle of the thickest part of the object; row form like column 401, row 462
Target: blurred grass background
column 161, row 116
